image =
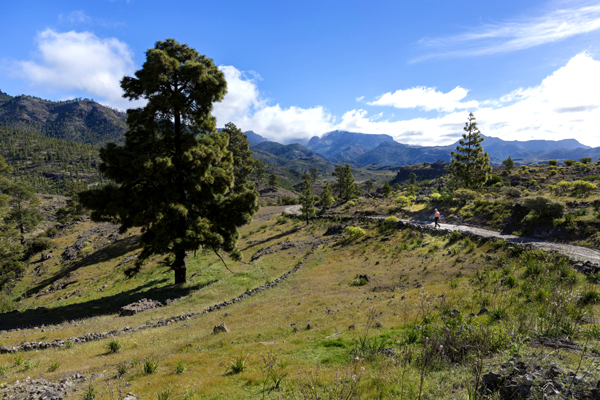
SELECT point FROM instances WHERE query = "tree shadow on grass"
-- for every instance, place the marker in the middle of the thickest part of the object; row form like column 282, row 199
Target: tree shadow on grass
column 278, row 236
column 97, row 307
column 114, row 250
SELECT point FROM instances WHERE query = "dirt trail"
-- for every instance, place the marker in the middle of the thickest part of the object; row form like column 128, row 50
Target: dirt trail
column 573, row 252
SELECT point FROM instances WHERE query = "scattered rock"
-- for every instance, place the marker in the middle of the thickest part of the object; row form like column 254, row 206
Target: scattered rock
column 139, row 306
column 221, row 329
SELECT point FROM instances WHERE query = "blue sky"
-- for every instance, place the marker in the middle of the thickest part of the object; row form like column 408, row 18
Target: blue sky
column 413, row 70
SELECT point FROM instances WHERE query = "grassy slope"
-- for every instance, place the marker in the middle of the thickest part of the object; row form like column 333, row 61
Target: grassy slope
column 468, row 276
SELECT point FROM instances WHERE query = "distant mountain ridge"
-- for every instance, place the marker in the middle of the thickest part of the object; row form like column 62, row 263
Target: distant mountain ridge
column 85, row 121
column 80, row 120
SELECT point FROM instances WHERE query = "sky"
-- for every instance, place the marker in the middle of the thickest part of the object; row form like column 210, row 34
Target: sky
column 297, row 69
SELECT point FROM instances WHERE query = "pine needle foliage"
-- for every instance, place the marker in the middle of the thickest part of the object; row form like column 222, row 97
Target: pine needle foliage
column 307, row 199
column 470, row 165
column 176, row 174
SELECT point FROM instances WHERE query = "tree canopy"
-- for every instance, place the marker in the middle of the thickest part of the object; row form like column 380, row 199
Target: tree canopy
column 345, row 181
column 175, row 176
column 307, row 199
column 470, row 165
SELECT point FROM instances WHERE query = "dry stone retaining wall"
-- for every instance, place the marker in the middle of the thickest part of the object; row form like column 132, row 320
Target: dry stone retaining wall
column 57, row 343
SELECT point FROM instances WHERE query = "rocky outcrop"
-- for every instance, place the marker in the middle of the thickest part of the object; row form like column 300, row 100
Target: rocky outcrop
column 139, row 306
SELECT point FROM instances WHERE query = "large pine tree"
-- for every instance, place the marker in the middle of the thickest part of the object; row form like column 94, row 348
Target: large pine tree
column 307, row 199
column 175, row 177
column 470, row 165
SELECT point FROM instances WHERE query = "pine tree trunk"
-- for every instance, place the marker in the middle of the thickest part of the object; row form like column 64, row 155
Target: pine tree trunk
column 179, row 267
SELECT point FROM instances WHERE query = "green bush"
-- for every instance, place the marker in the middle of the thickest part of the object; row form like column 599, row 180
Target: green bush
column 435, row 196
column 390, row 221
column 288, row 200
column 553, row 163
column 39, row 244
column 466, row 194
column 582, row 187
column 509, row 191
column 543, row 206
column 113, row 346
column 353, row 232
column 402, row 201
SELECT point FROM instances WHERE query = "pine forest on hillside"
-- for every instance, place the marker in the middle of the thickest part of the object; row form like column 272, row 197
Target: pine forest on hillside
column 47, row 164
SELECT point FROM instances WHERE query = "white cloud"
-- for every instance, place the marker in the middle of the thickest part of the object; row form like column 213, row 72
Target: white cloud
column 74, row 17
column 426, row 98
column 523, row 33
column 564, row 105
column 79, row 61
column 360, row 98
column 244, row 106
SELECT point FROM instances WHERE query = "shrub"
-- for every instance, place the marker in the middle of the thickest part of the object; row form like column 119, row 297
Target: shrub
column 53, row 367
column 288, row 200
column 446, row 197
column 402, row 201
column 590, row 178
column 150, row 366
column 553, row 172
column 589, row 297
column 543, row 206
column 435, row 196
column 359, row 280
column 509, row 191
column 353, row 232
column 583, row 187
column 113, row 346
column 238, row 364
column 52, row 231
column 510, row 281
column 122, row 369
column 562, row 187
column 390, row 221
column 568, row 163
column 179, row 368
column 585, row 160
column 38, row 245
column 89, row 393
column 553, row 163
column 465, row 194
column 494, row 179
column 350, row 204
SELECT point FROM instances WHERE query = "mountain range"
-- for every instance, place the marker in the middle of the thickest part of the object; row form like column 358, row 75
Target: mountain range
column 86, row 121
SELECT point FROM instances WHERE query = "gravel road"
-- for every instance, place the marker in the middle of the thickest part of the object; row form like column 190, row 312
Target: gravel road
column 573, row 252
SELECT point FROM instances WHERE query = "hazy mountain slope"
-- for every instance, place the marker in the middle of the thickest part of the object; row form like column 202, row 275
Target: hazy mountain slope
column 393, row 153
column 82, row 121
column 342, row 145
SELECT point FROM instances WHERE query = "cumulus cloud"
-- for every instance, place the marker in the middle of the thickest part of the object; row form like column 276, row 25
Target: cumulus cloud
column 526, row 32
column 244, row 106
column 426, row 98
column 79, row 61
column 545, row 111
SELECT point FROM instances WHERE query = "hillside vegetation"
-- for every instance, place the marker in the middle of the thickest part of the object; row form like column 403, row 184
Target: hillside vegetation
column 78, row 120
column 378, row 313
column 48, row 164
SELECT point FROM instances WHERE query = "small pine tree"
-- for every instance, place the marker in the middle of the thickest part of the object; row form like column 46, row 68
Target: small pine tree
column 273, row 180
column 306, row 199
column 314, row 174
column 509, row 164
column 387, row 190
column 345, row 181
column 470, row 165
column 326, row 199
column 412, row 178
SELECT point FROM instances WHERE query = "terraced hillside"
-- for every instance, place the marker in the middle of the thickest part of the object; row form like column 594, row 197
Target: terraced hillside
column 348, row 308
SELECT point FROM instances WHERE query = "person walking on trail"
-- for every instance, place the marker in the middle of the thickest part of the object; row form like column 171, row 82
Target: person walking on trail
column 436, row 218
